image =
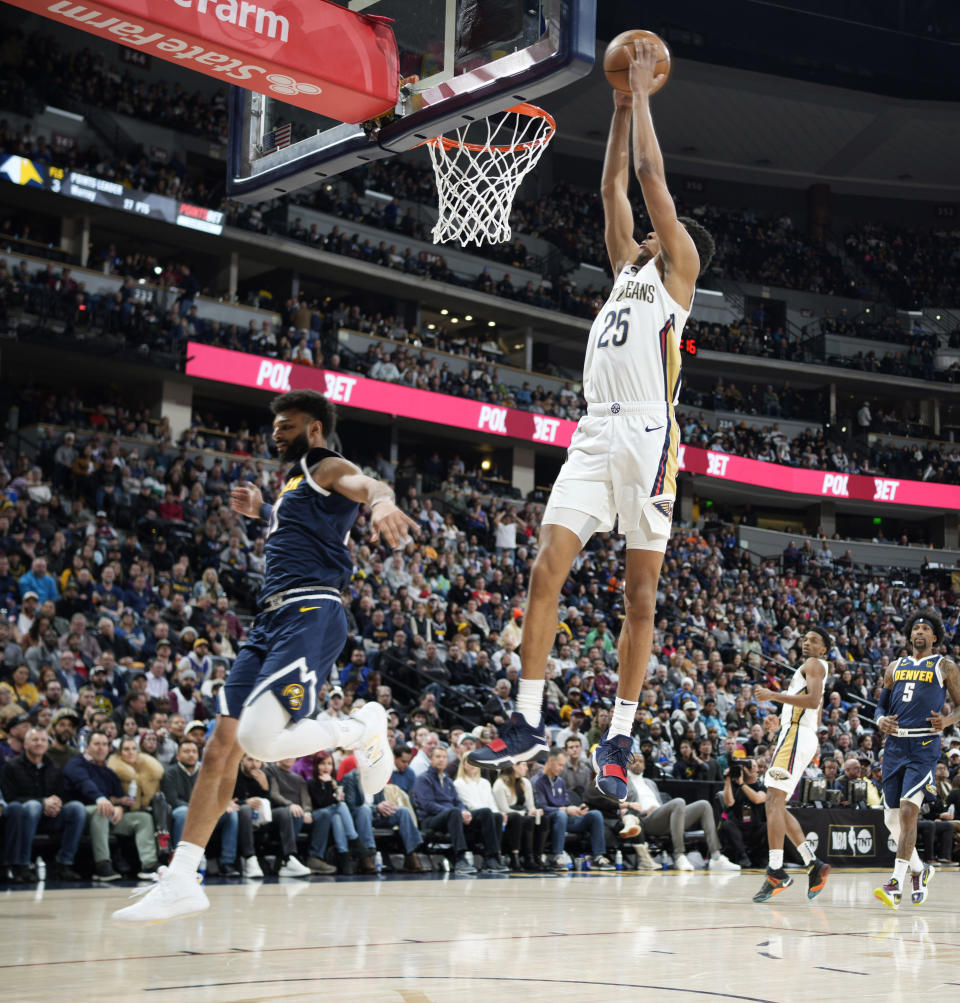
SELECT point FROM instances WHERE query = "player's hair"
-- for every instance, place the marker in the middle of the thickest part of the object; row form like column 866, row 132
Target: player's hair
column 931, row 618
column 823, row 635
column 703, row 241
column 307, row 402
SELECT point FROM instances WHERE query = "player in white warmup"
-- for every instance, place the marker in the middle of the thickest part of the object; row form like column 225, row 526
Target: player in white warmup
column 622, row 463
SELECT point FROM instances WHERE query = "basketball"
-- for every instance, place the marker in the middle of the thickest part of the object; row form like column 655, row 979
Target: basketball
column 616, row 61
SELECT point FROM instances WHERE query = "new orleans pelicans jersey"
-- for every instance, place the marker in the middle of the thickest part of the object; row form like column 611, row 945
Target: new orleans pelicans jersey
column 918, row 690
column 804, row 717
column 307, row 531
column 633, row 352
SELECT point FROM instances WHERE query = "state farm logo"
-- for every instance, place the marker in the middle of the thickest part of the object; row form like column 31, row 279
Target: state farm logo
column 836, row 484
column 493, row 419
column 545, row 429
column 717, row 464
column 280, row 83
column 884, row 490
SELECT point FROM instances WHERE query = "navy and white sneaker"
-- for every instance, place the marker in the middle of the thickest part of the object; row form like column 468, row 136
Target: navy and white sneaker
column 610, row 759
column 518, row 742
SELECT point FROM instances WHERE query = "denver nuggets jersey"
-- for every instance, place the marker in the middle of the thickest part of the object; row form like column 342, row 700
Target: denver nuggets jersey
column 633, row 352
column 804, row 717
column 307, row 532
column 918, row 690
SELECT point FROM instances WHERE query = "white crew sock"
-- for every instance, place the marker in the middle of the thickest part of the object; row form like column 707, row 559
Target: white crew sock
column 624, row 712
column 186, row 859
column 916, row 864
column 776, row 860
column 530, row 700
column 806, row 853
column 900, row 870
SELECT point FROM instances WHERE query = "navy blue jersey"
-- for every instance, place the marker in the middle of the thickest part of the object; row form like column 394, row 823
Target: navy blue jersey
column 307, row 532
column 918, row 690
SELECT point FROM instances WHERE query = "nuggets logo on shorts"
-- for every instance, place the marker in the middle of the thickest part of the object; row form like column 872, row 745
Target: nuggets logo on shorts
column 779, row 773
column 294, row 694
column 664, row 507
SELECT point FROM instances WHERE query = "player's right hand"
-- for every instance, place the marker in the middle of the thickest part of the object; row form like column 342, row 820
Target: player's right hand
column 247, row 500
column 888, row 724
column 393, row 524
column 643, row 60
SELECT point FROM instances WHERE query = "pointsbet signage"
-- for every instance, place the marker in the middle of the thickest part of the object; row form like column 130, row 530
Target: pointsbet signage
column 270, row 47
column 262, row 373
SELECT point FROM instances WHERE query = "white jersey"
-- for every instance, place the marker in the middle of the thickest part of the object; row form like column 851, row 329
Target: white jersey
column 804, row 718
column 633, row 352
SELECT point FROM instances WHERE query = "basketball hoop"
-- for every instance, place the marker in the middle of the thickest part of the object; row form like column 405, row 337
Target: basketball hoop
column 476, row 181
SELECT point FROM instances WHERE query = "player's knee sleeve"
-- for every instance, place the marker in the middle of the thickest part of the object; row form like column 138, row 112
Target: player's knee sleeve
column 891, row 816
column 259, row 726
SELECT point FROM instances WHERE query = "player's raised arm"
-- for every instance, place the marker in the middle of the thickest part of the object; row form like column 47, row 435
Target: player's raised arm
column 676, row 245
column 334, row 473
column 622, row 248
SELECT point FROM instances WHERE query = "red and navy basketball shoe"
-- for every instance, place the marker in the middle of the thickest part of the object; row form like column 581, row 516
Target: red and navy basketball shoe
column 518, row 742
column 610, row 759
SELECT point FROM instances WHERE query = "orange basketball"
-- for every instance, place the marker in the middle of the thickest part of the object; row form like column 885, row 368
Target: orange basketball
column 616, row 61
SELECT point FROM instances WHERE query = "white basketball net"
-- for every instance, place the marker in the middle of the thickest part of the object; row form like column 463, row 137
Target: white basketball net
column 477, row 181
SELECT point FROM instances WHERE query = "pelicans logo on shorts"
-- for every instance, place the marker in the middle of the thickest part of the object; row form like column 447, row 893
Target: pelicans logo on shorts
column 779, row 773
column 664, row 507
column 294, row 694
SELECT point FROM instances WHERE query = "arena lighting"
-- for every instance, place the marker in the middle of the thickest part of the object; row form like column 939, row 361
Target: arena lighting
column 370, row 193
column 222, row 365
column 454, row 320
column 485, row 464
column 468, row 316
column 52, row 110
column 709, row 292
column 444, row 312
column 491, row 323
column 431, row 327
column 157, row 270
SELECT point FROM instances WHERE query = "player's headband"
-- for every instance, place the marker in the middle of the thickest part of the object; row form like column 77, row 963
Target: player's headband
column 932, row 624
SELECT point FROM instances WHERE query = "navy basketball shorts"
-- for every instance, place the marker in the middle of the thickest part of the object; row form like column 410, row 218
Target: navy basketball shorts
column 908, row 769
column 289, row 653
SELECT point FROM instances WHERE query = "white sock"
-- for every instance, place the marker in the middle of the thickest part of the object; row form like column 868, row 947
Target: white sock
column 916, row 864
column 624, row 712
column 186, row 859
column 776, row 860
column 806, row 853
column 530, row 700
column 900, row 870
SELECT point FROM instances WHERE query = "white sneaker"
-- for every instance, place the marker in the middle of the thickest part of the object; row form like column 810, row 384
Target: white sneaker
column 722, row 863
column 252, row 868
column 294, row 869
column 681, row 863
column 169, row 897
column 374, row 759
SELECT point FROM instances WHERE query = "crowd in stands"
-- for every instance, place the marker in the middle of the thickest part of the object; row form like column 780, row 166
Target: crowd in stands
column 37, row 70
column 127, row 584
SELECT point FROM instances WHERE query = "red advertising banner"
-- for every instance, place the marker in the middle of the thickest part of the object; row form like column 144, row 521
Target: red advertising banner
column 241, row 369
column 310, row 53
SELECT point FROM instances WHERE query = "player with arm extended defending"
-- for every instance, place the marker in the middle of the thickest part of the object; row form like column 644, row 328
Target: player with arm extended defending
column 910, row 714
column 265, row 705
column 796, row 746
column 622, row 462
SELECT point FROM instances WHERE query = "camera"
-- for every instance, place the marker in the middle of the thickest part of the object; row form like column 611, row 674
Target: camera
column 736, row 773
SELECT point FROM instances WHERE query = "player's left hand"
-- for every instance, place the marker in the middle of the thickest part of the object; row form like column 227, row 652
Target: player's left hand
column 643, row 60
column 937, row 721
column 393, row 524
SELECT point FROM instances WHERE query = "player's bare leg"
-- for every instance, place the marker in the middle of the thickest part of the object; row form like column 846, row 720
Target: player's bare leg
column 523, row 737
column 633, row 650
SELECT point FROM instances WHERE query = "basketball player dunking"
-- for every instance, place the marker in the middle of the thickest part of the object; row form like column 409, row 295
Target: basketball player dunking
column 264, row 709
column 910, row 714
column 622, row 463
column 796, row 745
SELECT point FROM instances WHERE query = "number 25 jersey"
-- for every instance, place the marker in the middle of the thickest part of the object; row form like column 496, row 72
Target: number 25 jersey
column 633, row 351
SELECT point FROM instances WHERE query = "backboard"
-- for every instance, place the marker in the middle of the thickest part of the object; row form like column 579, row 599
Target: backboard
column 497, row 54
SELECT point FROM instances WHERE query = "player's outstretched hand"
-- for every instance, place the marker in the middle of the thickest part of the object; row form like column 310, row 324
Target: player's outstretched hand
column 247, row 500
column 394, row 525
column 643, row 59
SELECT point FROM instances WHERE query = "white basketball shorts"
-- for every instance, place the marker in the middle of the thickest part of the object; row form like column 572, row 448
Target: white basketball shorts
column 621, row 468
column 796, row 747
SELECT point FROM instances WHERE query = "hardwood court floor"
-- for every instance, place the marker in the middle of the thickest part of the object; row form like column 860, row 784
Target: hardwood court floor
column 662, row 936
